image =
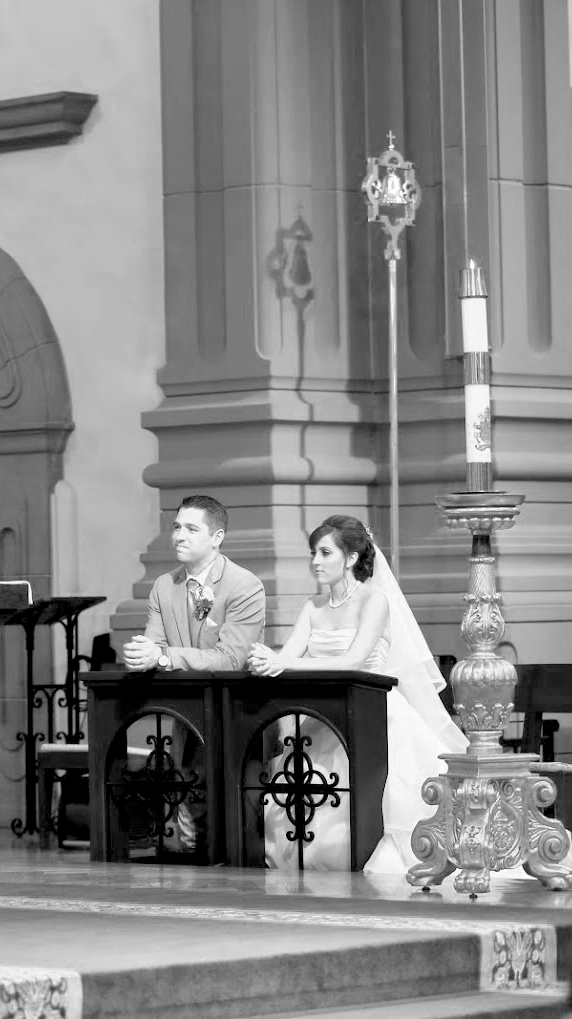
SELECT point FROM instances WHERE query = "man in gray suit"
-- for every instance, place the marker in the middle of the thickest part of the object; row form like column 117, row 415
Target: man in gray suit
column 205, row 614
column 202, row 616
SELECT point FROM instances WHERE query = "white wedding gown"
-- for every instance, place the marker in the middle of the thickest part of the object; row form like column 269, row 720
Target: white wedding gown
column 413, row 755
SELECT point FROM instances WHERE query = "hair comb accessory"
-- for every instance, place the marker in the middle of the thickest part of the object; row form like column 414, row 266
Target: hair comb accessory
column 369, row 533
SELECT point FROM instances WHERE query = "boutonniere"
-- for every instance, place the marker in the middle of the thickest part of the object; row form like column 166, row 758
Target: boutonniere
column 204, row 598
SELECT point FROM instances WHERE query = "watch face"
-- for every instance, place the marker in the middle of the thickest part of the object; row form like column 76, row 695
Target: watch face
column 163, row 661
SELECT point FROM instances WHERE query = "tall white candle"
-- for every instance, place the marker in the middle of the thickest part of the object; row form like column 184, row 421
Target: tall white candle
column 473, row 295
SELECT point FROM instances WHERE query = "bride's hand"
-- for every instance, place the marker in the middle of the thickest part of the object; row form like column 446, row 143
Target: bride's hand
column 263, row 661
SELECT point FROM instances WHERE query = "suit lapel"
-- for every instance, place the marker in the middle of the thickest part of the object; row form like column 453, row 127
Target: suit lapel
column 180, row 607
column 213, row 579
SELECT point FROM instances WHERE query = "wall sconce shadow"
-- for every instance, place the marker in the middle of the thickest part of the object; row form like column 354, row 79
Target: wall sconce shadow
column 289, row 268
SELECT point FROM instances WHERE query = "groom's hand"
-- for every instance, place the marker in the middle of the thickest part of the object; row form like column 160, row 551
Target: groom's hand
column 141, row 654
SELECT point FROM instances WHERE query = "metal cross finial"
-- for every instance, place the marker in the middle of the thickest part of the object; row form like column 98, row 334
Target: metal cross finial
column 390, row 135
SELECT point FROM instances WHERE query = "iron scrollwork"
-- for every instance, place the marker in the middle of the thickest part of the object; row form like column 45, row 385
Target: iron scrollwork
column 300, row 789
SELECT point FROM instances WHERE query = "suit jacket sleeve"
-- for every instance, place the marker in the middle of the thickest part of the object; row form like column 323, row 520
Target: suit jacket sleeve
column 243, row 624
column 154, row 628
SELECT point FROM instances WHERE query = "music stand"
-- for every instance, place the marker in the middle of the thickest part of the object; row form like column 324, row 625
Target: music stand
column 18, row 609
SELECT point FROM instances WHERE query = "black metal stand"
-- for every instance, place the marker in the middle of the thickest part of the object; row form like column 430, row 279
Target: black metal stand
column 47, row 612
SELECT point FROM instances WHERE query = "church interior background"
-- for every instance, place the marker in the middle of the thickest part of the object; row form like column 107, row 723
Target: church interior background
column 191, row 300
column 173, row 349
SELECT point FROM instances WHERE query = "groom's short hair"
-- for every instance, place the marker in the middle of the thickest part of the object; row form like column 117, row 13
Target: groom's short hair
column 215, row 513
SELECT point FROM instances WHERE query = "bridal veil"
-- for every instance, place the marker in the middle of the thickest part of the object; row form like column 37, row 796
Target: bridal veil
column 412, row 663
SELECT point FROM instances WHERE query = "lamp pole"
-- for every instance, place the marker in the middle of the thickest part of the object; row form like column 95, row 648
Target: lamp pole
column 392, row 196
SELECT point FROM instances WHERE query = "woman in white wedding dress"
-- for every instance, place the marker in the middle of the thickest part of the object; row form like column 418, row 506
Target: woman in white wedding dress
column 361, row 620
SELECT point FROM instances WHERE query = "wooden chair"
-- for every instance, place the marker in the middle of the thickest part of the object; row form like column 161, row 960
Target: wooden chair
column 71, row 758
column 67, row 757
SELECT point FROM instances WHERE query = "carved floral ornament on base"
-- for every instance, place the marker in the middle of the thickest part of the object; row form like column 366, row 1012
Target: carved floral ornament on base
column 34, row 993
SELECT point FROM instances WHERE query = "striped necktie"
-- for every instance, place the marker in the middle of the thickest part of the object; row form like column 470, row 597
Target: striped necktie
column 192, row 587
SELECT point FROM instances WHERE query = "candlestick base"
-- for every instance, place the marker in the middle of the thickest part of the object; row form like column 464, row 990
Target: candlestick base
column 489, row 817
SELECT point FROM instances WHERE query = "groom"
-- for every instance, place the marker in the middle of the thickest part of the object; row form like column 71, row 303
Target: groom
column 205, row 614
column 202, row 616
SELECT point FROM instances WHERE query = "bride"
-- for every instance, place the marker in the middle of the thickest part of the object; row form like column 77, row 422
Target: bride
column 361, row 620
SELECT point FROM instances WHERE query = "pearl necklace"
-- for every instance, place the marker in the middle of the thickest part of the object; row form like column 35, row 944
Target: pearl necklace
column 337, row 605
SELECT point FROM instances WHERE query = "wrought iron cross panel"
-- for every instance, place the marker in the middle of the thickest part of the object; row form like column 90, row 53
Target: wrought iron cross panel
column 300, row 789
column 159, row 788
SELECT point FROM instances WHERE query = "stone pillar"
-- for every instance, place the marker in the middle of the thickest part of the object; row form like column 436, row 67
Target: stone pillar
column 444, row 68
column 496, row 77
column 426, row 77
column 269, row 403
column 531, row 264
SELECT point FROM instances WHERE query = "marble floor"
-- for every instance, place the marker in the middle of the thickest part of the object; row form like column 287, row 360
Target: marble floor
column 59, row 913
column 68, row 876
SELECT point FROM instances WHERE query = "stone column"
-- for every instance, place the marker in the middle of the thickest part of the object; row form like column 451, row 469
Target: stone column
column 427, row 78
column 269, row 403
column 487, row 119
column 531, row 264
column 444, row 70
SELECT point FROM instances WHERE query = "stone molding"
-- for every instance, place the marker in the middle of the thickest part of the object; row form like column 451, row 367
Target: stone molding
column 51, row 119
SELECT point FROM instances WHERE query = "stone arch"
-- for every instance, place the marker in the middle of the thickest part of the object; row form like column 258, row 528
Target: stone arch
column 35, row 422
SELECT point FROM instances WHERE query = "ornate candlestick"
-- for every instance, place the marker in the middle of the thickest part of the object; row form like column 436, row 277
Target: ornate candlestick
column 489, row 804
column 392, row 200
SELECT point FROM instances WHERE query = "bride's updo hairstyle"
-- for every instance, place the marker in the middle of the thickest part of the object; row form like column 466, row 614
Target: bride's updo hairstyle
column 351, row 536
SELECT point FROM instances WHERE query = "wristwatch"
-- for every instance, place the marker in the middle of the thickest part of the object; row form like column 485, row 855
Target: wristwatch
column 164, row 659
